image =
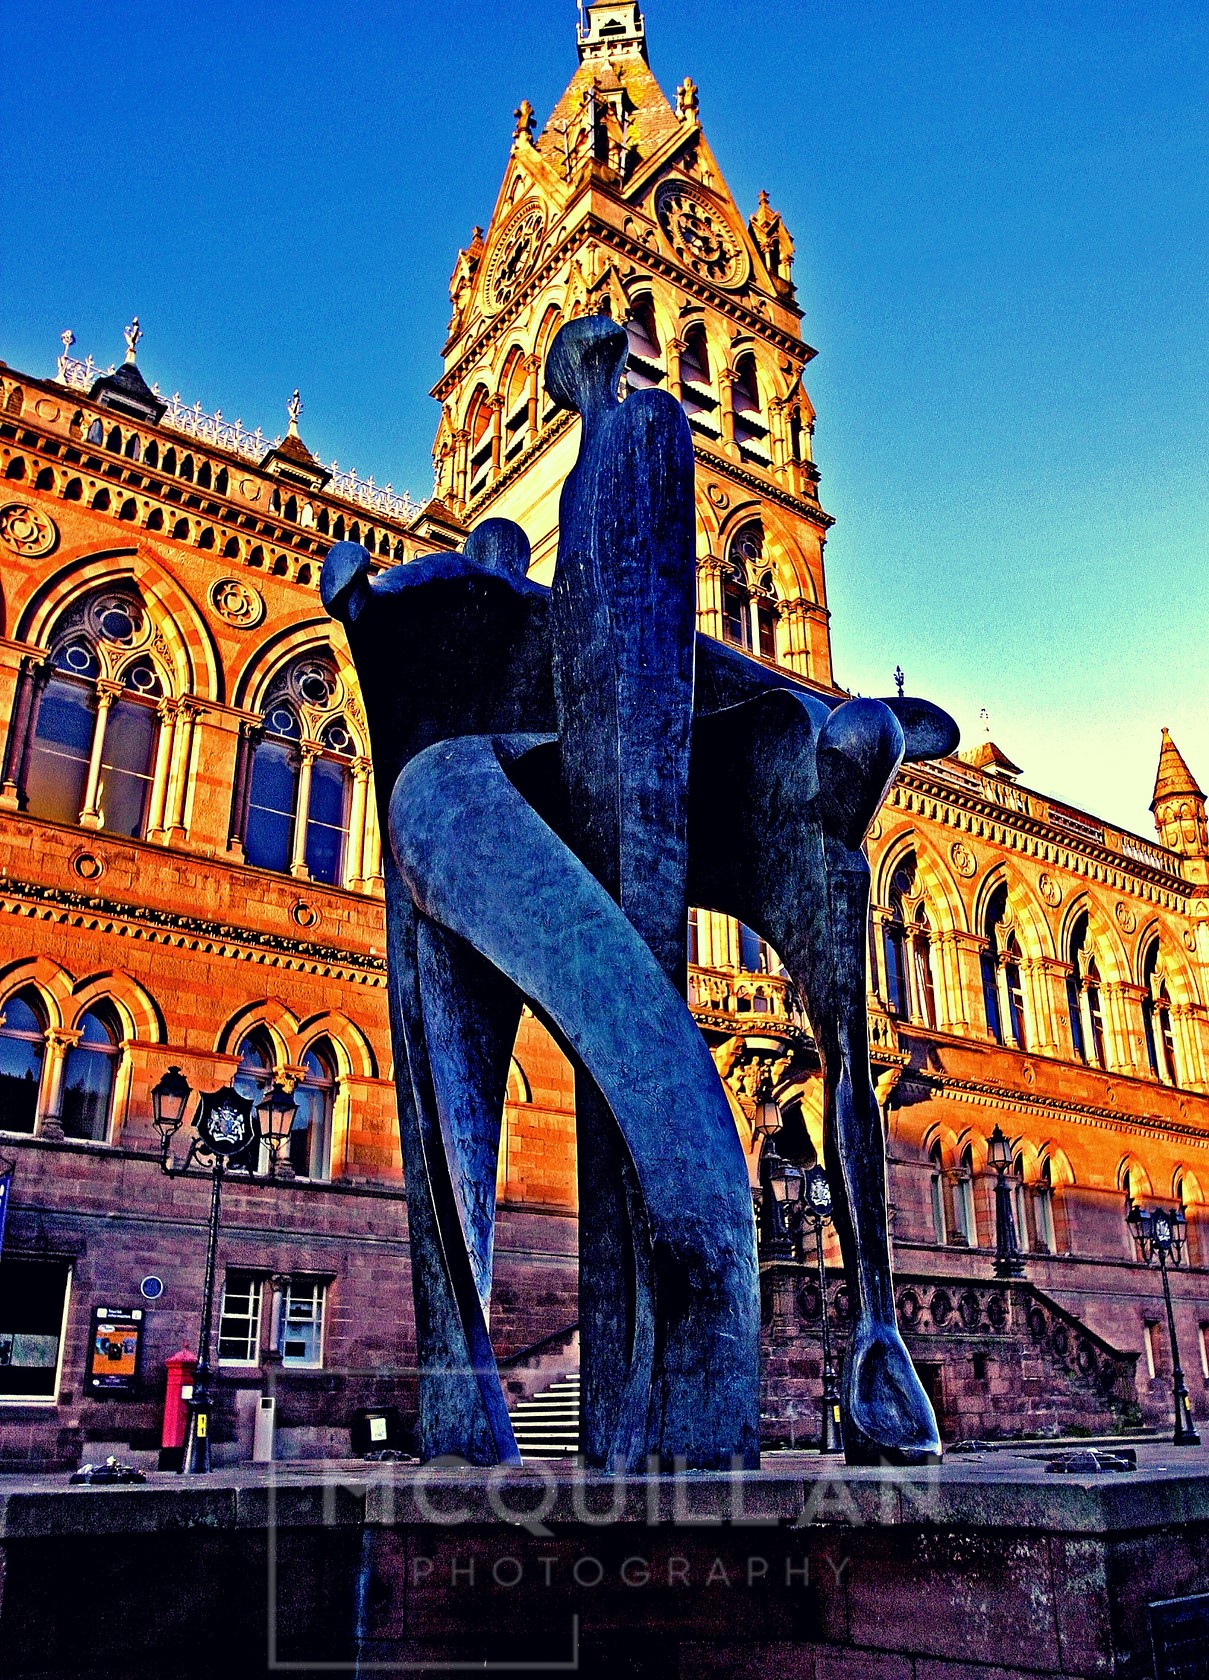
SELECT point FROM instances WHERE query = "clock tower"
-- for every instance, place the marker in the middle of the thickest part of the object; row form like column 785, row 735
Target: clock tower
column 617, row 206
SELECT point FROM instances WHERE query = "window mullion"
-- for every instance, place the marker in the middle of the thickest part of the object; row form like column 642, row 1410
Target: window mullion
column 91, row 816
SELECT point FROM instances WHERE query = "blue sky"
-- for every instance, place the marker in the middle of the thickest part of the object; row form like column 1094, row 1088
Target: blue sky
column 1001, row 217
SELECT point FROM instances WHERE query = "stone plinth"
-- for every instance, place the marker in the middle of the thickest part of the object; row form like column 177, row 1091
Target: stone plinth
column 989, row 1567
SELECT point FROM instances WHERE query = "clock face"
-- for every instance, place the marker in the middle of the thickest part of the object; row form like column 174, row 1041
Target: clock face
column 700, row 234
column 515, row 253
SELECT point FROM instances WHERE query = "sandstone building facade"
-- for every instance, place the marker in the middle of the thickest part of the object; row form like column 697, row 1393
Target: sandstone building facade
column 190, row 869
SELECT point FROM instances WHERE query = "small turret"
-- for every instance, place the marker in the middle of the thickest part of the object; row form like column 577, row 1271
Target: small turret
column 1179, row 804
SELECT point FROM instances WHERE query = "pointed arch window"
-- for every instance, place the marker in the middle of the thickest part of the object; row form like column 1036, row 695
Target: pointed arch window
column 257, row 1061
column 751, row 433
column 310, row 1140
column 1043, row 1210
column 643, row 370
column 940, row 1222
column 89, row 1076
column 328, row 807
column 22, row 1048
column 749, row 610
column 1083, row 997
column 273, row 799
column 94, row 739
column 299, row 803
column 514, row 390
column 479, row 425
column 907, row 946
column 1156, row 1019
column 965, row 1218
column 1002, row 982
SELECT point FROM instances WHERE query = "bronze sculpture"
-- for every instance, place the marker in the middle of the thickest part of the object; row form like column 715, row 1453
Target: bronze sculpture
column 562, row 773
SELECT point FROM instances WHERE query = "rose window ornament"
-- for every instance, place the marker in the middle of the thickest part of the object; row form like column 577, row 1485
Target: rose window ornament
column 237, row 603
column 27, row 530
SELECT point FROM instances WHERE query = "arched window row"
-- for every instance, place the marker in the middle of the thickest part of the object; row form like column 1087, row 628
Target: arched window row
column 297, row 510
column 301, row 802
column 60, row 1082
column 74, row 1082
column 171, row 459
column 503, row 416
column 964, row 1217
column 100, row 740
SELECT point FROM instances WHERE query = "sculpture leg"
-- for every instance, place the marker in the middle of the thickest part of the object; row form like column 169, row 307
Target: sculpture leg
column 767, row 776
column 480, row 862
column 461, row 1403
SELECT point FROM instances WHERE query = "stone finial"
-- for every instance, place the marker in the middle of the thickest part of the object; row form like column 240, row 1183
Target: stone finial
column 294, row 408
column 774, row 244
column 132, row 334
column 688, row 100
column 525, row 122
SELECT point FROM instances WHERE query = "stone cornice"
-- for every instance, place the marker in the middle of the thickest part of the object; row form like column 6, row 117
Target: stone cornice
column 1048, row 842
column 194, row 933
column 988, row 1093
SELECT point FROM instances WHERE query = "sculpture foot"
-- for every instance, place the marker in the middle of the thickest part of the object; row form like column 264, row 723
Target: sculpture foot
column 887, row 1416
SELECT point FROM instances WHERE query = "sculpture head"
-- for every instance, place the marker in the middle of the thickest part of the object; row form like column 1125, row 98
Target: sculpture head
column 585, row 364
column 499, row 546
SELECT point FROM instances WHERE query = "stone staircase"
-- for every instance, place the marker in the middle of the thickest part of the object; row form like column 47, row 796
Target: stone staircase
column 547, row 1426
column 542, row 1385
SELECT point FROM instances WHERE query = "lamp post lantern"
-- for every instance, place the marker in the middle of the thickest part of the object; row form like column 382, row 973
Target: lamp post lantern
column 1161, row 1234
column 1008, row 1261
column 228, row 1128
column 814, row 1212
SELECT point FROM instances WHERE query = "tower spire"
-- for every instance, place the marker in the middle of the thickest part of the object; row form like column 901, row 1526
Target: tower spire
column 1178, row 804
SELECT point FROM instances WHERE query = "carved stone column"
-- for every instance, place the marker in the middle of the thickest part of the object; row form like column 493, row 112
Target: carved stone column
column 675, row 349
column 12, row 790
column 1126, row 1002
column 1048, row 975
column 92, row 815
column 178, row 781
column 307, row 754
column 1187, row 1028
column 250, row 733
column 354, row 868
column 166, row 711
column 969, row 955
column 952, row 1013
column 533, row 366
column 797, row 617
column 59, row 1040
column 461, row 464
column 497, row 434
column 727, row 379
column 709, row 596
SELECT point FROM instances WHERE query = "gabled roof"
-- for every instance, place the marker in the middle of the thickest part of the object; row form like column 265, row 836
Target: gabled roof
column 987, row 756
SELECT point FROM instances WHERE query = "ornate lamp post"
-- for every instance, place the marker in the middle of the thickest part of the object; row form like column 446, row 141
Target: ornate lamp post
column 1161, row 1233
column 813, row 1213
column 1008, row 1262
column 781, row 1184
column 228, row 1129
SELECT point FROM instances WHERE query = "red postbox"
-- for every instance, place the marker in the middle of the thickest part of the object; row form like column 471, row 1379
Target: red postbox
column 177, row 1394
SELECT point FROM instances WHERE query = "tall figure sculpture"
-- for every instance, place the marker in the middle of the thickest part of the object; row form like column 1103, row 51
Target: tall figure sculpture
column 534, row 753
